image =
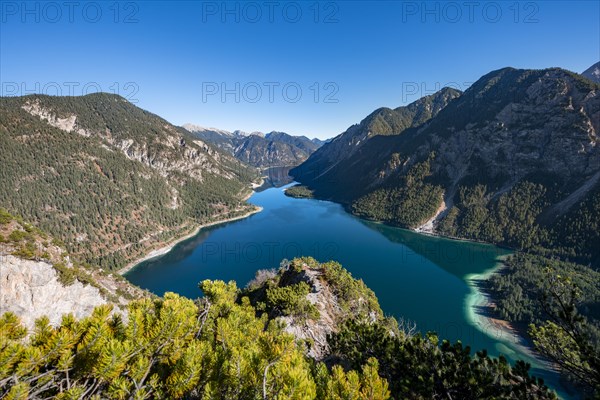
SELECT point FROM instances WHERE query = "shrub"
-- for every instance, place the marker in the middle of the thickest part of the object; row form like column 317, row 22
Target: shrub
column 17, row 235
column 66, row 275
column 25, row 251
column 5, row 217
column 291, row 300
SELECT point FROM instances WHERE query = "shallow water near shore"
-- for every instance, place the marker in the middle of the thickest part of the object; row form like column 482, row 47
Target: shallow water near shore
column 425, row 279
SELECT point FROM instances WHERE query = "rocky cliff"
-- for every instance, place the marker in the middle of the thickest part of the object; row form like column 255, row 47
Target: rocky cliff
column 38, row 278
column 31, row 289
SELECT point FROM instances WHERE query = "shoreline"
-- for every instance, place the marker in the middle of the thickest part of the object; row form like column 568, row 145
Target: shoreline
column 501, row 330
column 432, row 234
column 161, row 251
column 511, row 340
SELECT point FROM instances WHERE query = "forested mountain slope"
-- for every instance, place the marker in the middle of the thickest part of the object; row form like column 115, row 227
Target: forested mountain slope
column 514, row 160
column 108, row 178
column 327, row 163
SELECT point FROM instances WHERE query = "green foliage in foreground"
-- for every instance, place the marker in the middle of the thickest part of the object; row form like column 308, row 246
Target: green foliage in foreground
column 421, row 368
column 220, row 347
column 291, row 300
column 172, row 348
column 565, row 338
column 355, row 299
column 283, row 292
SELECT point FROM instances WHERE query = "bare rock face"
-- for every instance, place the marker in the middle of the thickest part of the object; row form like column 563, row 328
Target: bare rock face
column 38, row 278
column 31, row 289
column 66, row 124
column 316, row 331
column 170, row 152
column 552, row 126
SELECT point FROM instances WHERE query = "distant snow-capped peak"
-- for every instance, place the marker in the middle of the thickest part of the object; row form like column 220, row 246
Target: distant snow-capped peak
column 244, row 134
column 198, row 128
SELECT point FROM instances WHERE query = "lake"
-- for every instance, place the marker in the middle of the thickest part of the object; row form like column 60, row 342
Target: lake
column 420, row 278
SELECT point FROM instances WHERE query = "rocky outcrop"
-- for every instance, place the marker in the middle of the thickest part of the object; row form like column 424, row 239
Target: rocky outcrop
column 549, row 122
column 66, row 124
column 38, row 277
column 170, row 154
column 326, row 302
column 31, row 289
column 333, row 294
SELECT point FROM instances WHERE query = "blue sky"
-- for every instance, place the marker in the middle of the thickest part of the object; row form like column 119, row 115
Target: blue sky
column 311, row 68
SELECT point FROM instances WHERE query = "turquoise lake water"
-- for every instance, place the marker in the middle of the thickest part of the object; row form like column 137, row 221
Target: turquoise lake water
column 420, row 278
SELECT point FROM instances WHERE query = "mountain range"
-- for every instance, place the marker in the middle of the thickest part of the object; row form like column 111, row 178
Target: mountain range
column 513, row 160
column 274, row 149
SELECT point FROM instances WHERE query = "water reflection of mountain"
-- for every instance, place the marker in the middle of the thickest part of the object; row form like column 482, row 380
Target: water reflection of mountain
column 275, row 177
column 459, row 258
column 182, row 250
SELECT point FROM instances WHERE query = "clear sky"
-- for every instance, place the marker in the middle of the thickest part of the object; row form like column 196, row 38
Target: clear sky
column 304, row 67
